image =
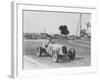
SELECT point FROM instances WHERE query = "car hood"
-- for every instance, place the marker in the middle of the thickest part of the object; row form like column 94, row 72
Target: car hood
column 56, row 46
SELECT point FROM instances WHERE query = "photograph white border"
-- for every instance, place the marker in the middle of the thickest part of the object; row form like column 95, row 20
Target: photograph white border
column 17, row 41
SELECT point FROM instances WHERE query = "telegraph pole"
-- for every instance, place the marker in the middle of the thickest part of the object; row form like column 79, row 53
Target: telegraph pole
column 80, row 21
column 79, row 25
column 44, row 30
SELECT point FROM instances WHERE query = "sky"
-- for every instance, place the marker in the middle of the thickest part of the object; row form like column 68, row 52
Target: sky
column 36, row 21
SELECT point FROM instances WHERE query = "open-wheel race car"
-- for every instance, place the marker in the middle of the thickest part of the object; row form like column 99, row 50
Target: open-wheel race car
column 56, row 51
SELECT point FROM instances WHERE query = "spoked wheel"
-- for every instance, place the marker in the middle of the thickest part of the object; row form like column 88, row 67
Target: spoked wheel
column 55, row 56
column 71, row 53
column 39, row 51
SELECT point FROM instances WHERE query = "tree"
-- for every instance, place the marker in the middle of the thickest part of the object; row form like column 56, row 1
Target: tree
column 88, row 24
column 83, row 33
column 64, row 30
column 88, row 30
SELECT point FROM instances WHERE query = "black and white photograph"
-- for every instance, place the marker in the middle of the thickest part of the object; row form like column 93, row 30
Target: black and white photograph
column 53, row 39
column 56, row 39
column 50, row 40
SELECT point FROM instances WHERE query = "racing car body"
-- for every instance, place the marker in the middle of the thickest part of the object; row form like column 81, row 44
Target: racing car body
column 57, row 51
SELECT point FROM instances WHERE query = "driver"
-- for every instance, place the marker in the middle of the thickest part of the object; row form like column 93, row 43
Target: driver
column 48, row 41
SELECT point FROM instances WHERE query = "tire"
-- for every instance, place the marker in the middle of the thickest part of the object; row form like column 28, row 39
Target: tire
column 55, row 56
column 71, row 53
column 39, row 52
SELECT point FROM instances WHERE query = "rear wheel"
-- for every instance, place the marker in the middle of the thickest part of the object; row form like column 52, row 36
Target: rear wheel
column 71, row 53
column 55, row 56
column 39, row 51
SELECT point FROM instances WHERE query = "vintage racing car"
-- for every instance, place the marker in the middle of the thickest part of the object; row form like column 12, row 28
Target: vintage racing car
column 57, row 51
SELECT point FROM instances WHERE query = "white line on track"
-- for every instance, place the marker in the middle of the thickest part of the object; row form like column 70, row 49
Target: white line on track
column 34, row 61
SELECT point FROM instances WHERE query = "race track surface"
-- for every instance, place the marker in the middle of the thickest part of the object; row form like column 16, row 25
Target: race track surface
column 32, row 61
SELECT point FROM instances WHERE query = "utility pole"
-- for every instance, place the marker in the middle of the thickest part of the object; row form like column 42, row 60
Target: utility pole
column 79, row 25
column 80, row 21
column 44, row 30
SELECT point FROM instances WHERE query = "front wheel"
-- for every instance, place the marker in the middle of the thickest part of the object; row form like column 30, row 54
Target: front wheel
column 55, row 56
column 39, row 51
column 71, row 53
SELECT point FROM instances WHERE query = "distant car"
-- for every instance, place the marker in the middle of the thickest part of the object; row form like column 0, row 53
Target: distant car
column 57, row 51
